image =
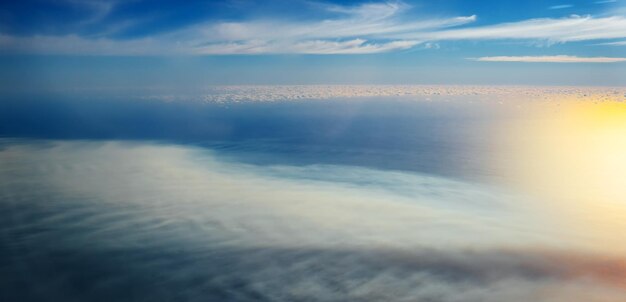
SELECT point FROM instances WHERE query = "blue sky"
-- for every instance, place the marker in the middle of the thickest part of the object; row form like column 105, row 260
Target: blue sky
column 67, row 43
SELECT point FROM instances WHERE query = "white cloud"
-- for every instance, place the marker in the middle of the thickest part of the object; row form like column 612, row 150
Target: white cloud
column 572, row 28
column 179, row 214
column 355, row 46
column 367, row 28
column 561, row 6
column 618, row 43
column 354, row 33
column 325, row 204
column 357, row 30
column 550, row 59
column 356, row 26
column 344, row 35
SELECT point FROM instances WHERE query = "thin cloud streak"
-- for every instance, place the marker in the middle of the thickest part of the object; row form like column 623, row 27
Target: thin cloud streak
column 356, row 46
column 618, row 43
column 562, row 6
column 570, row 29
column 549, row 59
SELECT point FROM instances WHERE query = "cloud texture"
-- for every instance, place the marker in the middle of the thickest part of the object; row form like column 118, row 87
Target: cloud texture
column 164, row 222
column 358, row 29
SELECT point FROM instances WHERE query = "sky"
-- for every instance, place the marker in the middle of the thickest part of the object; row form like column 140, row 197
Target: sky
column 65, row 44
column 247, row 150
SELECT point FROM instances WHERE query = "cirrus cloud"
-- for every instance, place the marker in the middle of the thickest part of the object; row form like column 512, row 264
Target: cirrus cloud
column 359, row 29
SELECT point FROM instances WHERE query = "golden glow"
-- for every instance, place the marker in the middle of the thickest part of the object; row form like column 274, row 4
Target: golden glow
column 573, row 155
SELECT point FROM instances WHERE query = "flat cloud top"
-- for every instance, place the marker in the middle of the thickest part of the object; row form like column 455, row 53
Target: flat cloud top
column 265, row 93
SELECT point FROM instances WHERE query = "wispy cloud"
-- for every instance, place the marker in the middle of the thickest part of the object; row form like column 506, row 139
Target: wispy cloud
column 617, row 43
column 363, row 29
column 550, row 59
column 361, row 25
column 355, row 46
column 573, row 28
column 561, row 6
column 360, row 29
column 361, row 32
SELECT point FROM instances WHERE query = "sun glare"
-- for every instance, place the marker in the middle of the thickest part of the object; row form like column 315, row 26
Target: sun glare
column 574, row 157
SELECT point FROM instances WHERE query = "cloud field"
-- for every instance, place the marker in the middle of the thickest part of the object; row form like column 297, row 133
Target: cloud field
column 167, row 222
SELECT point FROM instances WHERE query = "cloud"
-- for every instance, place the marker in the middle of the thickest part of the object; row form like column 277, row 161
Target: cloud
column 384, row 24
column 352, row 26
column 279, row 206
column 179, row 223
column 272, row 93
column 550, row 59
column 618, row 43
column 573, row 28
column 282, row 205
column 355, row 46
column 359, row 29
column 561, row 6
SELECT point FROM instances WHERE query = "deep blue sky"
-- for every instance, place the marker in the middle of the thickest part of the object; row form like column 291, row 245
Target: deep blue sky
column 90, row 43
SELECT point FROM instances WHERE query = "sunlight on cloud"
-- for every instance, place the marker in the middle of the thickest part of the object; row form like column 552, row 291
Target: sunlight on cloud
column 572, row 154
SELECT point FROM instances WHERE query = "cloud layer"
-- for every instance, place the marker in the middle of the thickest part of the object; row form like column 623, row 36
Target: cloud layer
column 127, row 221
column 273, row 93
